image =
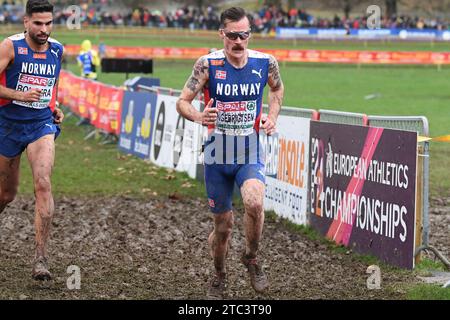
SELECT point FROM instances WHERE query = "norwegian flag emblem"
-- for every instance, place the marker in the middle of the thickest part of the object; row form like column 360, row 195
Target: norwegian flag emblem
column 220, row 74
column 211, row 203
column 22, row 50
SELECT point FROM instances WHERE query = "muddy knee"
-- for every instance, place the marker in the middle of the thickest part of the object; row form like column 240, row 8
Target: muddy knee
column 42, row 186
column 223, row 227
column 254, row 209
column 223, row 231
column 253, row 197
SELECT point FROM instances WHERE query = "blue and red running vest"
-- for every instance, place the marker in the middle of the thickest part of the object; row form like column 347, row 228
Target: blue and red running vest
column 237, row 92
column 238, row 96
column 38, row 70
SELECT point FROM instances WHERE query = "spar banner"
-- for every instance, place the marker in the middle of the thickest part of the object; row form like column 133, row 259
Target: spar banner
column 64, row 87
column 363, row 187
column 73, row 94
column 109, row 105
column 138, row 112
column 82, row 96
column 92, row 99
column 286, row 159
column 176, row 141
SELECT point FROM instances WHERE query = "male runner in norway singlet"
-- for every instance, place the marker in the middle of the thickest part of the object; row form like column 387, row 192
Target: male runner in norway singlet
column 233, row 80
column 29, row 68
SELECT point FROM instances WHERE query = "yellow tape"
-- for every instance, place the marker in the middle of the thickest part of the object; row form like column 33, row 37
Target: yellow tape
column 438, row 139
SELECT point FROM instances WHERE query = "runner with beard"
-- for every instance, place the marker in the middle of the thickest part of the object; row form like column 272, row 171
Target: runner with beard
column 30, row 63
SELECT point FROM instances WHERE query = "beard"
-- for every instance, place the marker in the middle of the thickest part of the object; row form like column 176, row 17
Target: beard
column 40, row 38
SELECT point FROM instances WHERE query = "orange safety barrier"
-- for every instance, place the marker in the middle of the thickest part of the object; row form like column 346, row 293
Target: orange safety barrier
column 322, row 56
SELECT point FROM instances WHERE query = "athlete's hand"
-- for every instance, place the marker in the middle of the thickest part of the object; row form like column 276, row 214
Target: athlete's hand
column 58, row 115
column 268, row 125
column 32, row 95
column 209, row 115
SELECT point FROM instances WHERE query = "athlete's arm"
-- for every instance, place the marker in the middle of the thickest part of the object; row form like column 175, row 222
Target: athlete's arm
column 58, row 114
column 276, row 92
column 6, row 57
column 193, row 86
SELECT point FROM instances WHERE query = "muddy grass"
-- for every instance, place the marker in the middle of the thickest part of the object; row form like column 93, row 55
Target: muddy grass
column 157, row 249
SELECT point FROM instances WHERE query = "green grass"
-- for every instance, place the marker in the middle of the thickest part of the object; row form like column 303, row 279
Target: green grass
column 428, row 292
column 402, row 90
column 87, row 168
column 425, row 265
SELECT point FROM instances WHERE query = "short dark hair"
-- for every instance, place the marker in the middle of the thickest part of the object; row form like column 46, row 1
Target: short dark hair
column 234, row 14
column 38, row 6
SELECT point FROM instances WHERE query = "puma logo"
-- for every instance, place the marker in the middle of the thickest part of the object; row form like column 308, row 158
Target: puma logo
column 258, row 73
column 55, row 52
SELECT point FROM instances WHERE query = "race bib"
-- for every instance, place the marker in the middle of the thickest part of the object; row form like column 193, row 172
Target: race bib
column 27, row 82
column 236, row 118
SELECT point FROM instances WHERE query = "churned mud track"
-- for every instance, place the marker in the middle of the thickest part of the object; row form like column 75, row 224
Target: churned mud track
column 157, row 249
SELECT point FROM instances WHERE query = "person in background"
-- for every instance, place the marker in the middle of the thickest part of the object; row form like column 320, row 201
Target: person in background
column 88, row 60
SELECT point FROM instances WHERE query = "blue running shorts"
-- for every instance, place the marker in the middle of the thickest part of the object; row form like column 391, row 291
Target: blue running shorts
column 220, row 179
column 15, row 136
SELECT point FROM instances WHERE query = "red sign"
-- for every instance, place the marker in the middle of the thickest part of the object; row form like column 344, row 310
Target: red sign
column 92, row 98
column 323, row 56
column 109, row 109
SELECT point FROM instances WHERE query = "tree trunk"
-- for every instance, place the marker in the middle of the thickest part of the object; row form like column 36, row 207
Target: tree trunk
column 347, row 8
column 291, row 4
column 391, row 8
column 273, row 2
column 200, row 4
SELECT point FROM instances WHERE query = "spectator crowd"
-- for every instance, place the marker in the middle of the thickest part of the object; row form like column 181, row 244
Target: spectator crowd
column 265, row 20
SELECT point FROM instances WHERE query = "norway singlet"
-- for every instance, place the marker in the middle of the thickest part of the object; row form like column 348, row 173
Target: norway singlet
column 31, row 70
column 233, row 153
column 22, row 123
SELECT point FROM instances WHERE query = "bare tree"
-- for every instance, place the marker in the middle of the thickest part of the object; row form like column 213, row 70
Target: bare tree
column 292, row 4
column 277, row 3
column 431, row 7
column 345, row 5
column 391, row 8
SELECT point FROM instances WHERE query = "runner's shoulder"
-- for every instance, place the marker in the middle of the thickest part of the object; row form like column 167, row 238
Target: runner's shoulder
column 214, row 58
column 17, row 37
column 259, row 55
column 7, row 46
column 55, row 43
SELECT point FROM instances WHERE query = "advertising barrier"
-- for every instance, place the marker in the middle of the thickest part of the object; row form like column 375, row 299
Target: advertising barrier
column 284, row 55
column 363, row 34
column 176, row 142
column 109, row 105
column 287, row 163
column 138, row 112
column 363, row 187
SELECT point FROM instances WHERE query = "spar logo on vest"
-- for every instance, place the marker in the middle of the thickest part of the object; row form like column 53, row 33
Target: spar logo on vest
column 236, row 117
column 39, row 76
